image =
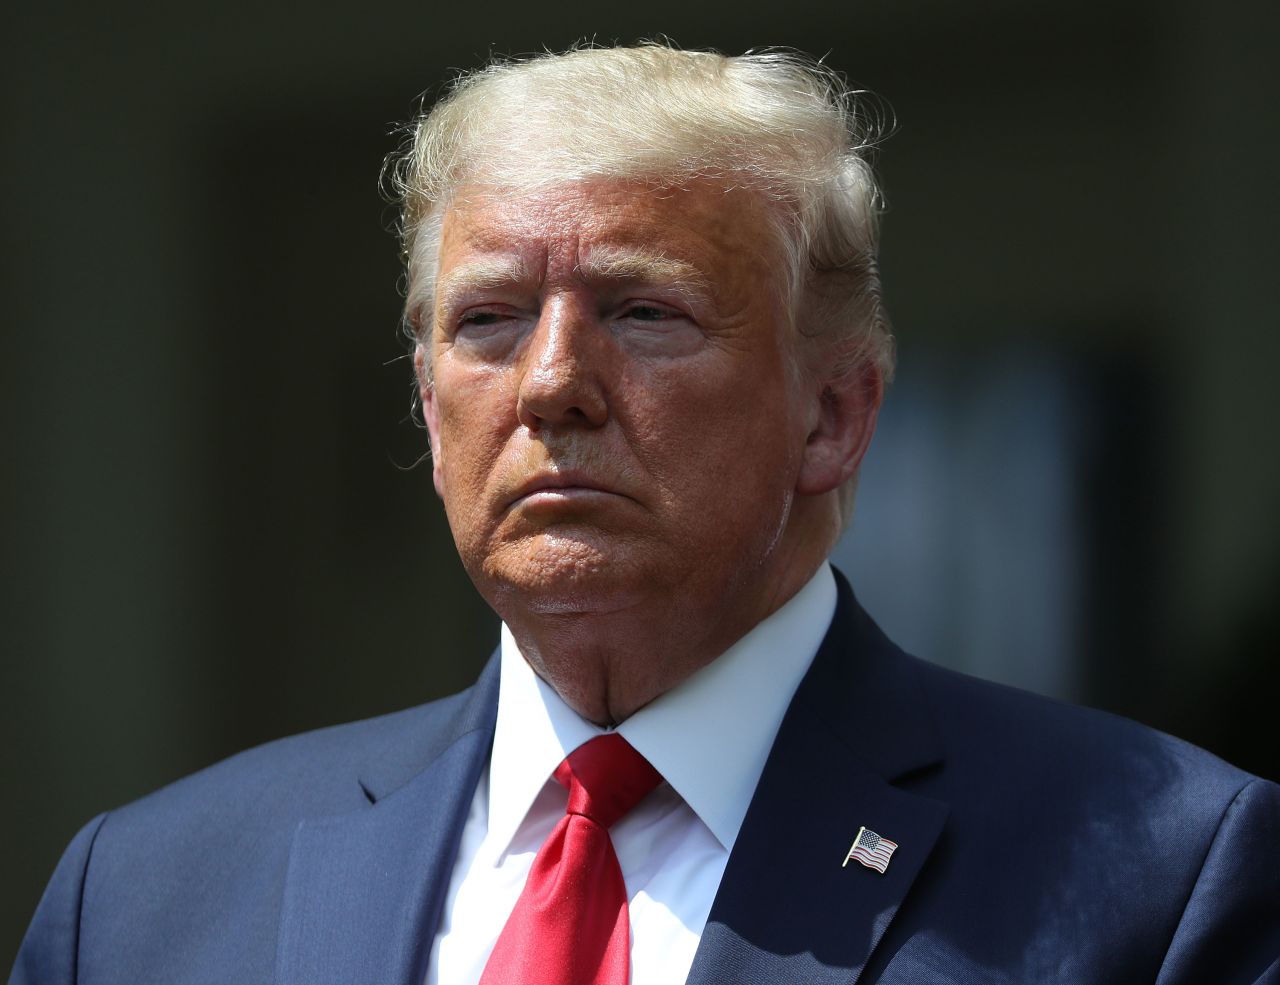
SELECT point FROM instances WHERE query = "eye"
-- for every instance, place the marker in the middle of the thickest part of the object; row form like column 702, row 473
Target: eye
column 656, row 330
column 646, row 312
column 651, row 314
column 481, row 323
column 488, row 334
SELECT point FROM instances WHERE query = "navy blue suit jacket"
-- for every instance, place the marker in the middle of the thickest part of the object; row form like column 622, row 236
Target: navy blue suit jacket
column 1038, row 842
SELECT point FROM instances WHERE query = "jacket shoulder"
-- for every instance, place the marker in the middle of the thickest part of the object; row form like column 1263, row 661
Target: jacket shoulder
column 1101, row 849
column 202, row 862
column 986, row 725
column 319, row 771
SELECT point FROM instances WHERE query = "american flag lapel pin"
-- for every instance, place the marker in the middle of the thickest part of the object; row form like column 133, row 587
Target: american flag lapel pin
column 871, row 850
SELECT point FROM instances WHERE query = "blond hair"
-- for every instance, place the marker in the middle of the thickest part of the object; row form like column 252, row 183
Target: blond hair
column 774, row 122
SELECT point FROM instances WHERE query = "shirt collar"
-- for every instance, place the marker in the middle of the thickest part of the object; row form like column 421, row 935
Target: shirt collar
column 709, row 736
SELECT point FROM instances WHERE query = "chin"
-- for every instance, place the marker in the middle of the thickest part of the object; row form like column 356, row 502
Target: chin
column 563, row 575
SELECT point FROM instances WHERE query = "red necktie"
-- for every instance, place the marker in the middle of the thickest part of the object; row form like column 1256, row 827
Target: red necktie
column 570, row 925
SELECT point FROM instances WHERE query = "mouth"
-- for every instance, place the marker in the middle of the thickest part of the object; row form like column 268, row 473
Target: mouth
column 557, row 488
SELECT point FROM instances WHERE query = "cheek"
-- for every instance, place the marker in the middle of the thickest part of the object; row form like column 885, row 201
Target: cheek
column 473, row 431
column 719, row 439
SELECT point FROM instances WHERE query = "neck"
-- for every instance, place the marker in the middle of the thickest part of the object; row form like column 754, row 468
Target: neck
column 607, row 665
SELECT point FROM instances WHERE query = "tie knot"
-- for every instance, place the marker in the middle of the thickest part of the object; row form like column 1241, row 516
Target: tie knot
column 605, row 778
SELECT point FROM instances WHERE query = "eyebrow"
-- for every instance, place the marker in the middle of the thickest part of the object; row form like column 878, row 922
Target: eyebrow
column 646, row 267
column 603, row 263
column 480, row 275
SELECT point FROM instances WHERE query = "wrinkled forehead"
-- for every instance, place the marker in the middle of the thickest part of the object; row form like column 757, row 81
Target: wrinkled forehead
column 702, row 236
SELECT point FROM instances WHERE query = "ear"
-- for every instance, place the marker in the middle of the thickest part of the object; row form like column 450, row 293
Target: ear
column 430, row 413
column 842, row 429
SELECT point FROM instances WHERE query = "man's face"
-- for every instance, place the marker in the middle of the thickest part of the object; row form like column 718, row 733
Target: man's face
column 616, row 417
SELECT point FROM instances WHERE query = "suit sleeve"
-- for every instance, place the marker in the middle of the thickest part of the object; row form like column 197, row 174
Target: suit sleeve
column 48, row 955
column 1229, row 932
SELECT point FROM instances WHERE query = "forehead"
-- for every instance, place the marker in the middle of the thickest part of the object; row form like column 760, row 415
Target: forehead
column 615, row 229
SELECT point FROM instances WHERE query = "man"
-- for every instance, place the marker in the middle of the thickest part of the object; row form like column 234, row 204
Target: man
column 650, row 348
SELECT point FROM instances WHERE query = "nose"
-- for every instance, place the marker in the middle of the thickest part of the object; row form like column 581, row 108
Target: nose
column 562, row 382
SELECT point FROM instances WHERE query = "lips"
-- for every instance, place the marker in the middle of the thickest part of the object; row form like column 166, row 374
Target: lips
column 561, row 484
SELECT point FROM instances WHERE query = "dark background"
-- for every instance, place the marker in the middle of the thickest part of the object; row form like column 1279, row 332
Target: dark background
column 212, row 534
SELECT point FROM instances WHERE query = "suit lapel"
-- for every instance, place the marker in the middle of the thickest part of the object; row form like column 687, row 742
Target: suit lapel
column 364, row 891
column 787, row 910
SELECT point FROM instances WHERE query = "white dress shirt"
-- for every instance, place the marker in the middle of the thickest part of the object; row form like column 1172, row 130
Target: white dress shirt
column 709, row 737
